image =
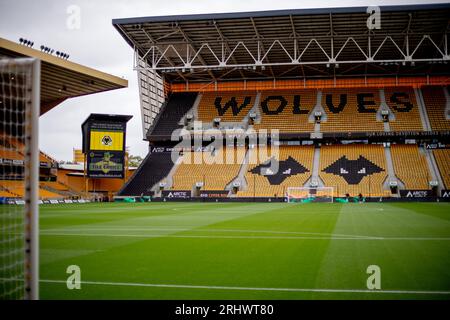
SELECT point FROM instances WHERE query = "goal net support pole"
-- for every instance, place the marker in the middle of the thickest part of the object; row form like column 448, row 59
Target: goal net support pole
column 32, row 186
column 19, row 209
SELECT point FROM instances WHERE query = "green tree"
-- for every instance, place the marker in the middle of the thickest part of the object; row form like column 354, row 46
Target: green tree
column 134, row 161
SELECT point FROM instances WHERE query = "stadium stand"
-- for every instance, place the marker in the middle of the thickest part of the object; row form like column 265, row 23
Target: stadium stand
column 45, row 194
column 349, row 153
column 410, row 166
column 9, row 154
column 13, row 187
column 215, row 169
column 10, row 148
column 16, row 190
column 351, row 110
column 228, row 106
column 177, row 106
column 402, row 102
column 442, row 157
column 295, row 167
column 13, row 149
column 11, row 183
column 354, row 169
column 6, row 194
column 54, row 185
column 287, row 111
column 155, row 167
column 61, row 189
column 435, row 103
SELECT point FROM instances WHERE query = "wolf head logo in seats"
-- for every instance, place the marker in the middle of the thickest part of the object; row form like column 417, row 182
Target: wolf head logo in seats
column 353, row 171
column 286, row 168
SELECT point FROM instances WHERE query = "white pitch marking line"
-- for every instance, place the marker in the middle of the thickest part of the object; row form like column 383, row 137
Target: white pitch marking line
column 231, row 237
column 196, row 229
column 182, row 286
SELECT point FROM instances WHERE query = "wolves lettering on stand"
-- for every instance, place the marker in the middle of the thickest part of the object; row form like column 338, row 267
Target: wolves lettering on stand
column 286, row 168
column 401, row 102
column 276, row 104
column 231, row 103
column 282, row 103
column 366, row 103
column 279, row 101
column 265, row 105
column 363, row 103
column 340, row 107
column 353, row 171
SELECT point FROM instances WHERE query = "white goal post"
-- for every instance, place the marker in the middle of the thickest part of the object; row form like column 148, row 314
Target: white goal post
column 309, row 194
column 19, row 177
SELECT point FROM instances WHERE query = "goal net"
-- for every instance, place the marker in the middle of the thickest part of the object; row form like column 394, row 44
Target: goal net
column 19, row 177
column 310, row 194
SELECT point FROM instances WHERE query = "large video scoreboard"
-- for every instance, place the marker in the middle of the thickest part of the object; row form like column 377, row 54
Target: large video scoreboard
column 104, row 145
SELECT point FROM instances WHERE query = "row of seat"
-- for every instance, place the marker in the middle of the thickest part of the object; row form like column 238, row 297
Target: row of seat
column 177, row 106
column 442, row 157
column 16, row 188
column 214, row 169
column 13, row 148
column 435, row 101
column 411, row 166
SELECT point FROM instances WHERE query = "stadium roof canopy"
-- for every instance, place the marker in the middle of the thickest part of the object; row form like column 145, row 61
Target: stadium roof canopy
column 62, row 79
column 106, row 117
column 331, row 42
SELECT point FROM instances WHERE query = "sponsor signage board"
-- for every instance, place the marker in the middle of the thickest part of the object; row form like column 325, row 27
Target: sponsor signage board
column 176, row 194
column 106, row 164
column 445, row 193
column 415, row 193
column 434, row 146
column 214, row 193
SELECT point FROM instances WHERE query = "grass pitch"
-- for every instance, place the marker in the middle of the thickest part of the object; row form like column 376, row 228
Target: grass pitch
column 246, row 250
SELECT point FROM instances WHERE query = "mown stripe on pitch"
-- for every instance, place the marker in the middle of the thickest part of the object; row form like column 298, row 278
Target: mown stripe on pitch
column 242, row 237
column 182, row 286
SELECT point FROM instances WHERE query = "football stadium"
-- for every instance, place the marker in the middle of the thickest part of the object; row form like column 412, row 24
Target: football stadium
column 292, row 155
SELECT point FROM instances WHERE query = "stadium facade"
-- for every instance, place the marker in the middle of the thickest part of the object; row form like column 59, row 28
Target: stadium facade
column 355, row 100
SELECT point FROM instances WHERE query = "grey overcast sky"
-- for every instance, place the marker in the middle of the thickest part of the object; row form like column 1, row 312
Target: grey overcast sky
column 98, row 45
